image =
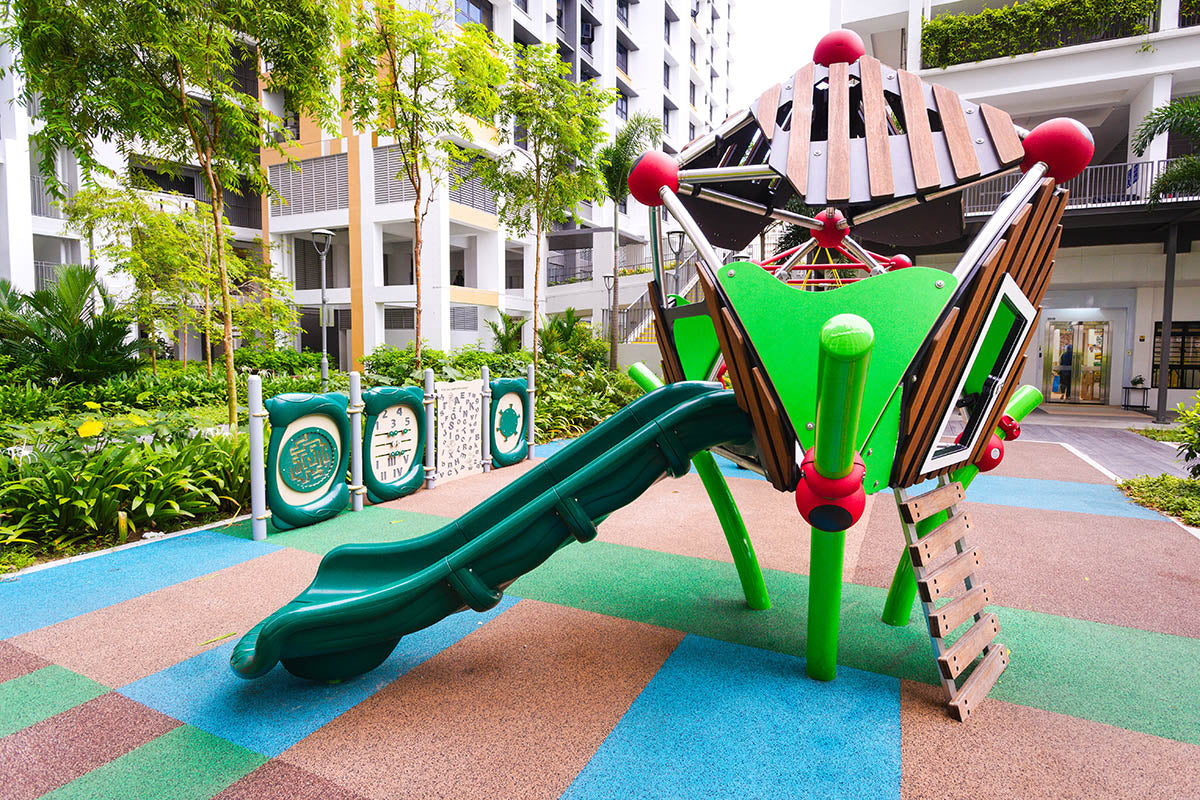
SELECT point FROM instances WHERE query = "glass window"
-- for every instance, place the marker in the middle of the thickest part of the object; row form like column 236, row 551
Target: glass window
column 478, row 11
column 692, row 92
column 667, row 75
column 622, row 57
column 622, row 105
column 692, row 50
column 691, row 131
column 666, row 30
column 1183, row 356
column 623, row 11
column 666, row 120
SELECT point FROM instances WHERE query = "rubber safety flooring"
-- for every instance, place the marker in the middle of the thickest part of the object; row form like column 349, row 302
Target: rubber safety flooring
column 628, row 667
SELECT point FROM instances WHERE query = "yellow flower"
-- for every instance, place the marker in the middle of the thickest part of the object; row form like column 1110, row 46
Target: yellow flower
column 90, row 428
column 91, row 405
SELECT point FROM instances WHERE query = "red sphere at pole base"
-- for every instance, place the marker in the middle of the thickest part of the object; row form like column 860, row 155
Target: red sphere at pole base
column 1064, row 144
column 652, row 171
column 839, row 47
column 830, row 504
column 833, row 228
column 993, row 454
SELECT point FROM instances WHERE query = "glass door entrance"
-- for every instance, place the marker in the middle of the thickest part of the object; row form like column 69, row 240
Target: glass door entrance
column 1075, row 362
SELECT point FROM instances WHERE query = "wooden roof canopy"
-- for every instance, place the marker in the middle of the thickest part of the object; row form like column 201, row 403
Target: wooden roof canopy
column 858, row 135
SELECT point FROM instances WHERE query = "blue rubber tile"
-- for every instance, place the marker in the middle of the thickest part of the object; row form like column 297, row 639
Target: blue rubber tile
column 272, row 713
column 727, row 467
column 52, row 595
column 722, row 720
column 1082, row 498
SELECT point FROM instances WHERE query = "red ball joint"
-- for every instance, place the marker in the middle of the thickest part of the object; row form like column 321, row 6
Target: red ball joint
column 901, row 261
column 1010, row 427
column 839, row 47
column 993, row 454
column 1063, row 143
column 830, row 504
column 833, row 228
column 651, row 172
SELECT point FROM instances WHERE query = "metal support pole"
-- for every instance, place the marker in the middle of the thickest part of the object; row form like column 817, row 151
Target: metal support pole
column 845, row 353
column 747, row 172
column 749, row 206
column 486, row 415
column 531, row 391
column 355, row 409
column 656, row 251
column 676, row 209
column 324, row 331
column 430, row 432
column 258, row 470
column 1164, row 358
column 989, row 235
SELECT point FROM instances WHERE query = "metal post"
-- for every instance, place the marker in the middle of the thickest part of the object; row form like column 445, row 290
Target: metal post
column 676, row 209
column 531, row 392
column 1164, row 358
column 324, row 331
column 258, row 470
column 430, row 432
column 486, row 374
column 846, row 343
column 355, row 409
column 656, row 251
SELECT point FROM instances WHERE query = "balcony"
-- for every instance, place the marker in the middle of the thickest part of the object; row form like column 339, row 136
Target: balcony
column 41, row 202
column 1100, row 186
column 45, row 274
column 468, row 190
column 568, row 266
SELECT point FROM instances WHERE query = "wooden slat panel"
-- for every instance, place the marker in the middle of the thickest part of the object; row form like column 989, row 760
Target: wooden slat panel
column 672, row 367
column 801, row 129
column 1036, row 234
column 941, row 340
column 958, row 136
column 971, row 695
column 768, row 110
column 943, row 580
column 879, row 152
column 712, row 299
column 1004, row 136
column 940, row 539
column 758, row 415
column 926, row 505
column 920, row 137
column 955, row 613
column 1010, row 386
column 960, row 654
column 837, row 165
column 782, row 442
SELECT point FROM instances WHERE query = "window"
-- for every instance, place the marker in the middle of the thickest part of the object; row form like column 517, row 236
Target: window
column 667, row 30
column 622, row 58
column 399, row 319
column 623, row 206
column 667, row 75
column 692, row 50
column 666, row 120
column 623, row 11
column 464, row 318
column 523, row 5
column 622, row 105
column 478, row 11
column 692, row 93
column 691, row 131
column 1183, row 358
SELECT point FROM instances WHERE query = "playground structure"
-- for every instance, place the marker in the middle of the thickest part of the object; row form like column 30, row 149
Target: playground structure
column 841, row 385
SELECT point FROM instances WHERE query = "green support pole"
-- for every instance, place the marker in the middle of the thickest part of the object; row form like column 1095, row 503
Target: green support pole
column 744, row 559
column 897, row 608
column 846, row 342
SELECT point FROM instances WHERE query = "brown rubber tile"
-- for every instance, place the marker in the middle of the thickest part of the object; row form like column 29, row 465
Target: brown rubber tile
column 1047, row 461
column 514, row 710
column 276, row 780
column 15, row 662
column 459, row 496
column 58, row 750
column 136, row 638
column 1007, row 750
column 1121, row 571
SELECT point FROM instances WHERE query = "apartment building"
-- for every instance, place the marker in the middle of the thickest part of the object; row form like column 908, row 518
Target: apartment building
column 1114, row 268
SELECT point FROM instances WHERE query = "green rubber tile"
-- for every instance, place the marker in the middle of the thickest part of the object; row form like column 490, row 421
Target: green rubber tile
column 41, row 694
column 184, row 764
column 1134, row 679
column 372, row 525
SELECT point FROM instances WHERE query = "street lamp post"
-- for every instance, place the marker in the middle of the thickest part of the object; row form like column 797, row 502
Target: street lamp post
column 612, row 312
column 675, row 240
column 322, row 241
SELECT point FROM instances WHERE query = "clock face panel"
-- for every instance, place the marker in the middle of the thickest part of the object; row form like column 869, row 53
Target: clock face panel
column 509, row 423
column 394, row 444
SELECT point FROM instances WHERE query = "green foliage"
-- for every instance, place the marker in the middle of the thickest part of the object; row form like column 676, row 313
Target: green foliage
column 507, row 334
column 1178, row 497
column 280, row 360
column 1181, row 176
column 574, row 397
column 70, row 332
column 1189, row 435
column 1160, row 434
column 1027, row 27
column 398, row 366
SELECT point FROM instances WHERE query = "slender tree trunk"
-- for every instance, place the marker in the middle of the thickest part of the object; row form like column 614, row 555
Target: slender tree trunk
column 537, row 279
column 208, row 323
column 218, row 213
column 417, row 276
column 613, row 325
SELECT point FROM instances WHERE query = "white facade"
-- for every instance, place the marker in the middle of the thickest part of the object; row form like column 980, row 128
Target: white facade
column 1111, row 267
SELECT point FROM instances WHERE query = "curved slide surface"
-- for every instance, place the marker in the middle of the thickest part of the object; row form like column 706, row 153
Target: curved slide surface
column 365, row 597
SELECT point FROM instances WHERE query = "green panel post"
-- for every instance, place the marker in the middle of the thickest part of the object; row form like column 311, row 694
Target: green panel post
column 846, row 342
column 897, row 608
column 744, row 559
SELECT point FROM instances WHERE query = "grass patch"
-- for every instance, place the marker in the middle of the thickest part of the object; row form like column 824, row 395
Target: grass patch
column 1179, row 497
column 1160, row 434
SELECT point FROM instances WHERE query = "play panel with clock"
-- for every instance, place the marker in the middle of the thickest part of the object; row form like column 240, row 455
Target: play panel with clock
column 393, row 442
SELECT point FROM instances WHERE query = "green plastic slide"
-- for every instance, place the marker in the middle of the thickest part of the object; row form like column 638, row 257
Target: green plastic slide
column 365, row 597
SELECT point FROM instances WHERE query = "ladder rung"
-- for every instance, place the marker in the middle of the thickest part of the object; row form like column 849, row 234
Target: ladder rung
column 929, row 546
column 960, row 654
column 926, row 505
column 959, row 610
column 941, row 582
column 981, row 681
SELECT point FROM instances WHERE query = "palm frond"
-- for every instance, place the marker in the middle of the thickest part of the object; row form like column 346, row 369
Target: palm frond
column 1180, row 178
column 1180, row 116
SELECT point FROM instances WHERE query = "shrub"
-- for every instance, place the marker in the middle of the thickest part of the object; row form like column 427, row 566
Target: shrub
column 1188, row 434
column 288, row 361
column 1178, row 497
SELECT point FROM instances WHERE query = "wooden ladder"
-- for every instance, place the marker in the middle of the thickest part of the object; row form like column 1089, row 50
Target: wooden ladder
column 942, row 582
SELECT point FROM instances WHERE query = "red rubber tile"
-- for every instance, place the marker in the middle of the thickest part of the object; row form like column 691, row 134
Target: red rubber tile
column 122, row 643
column 1046, row 461
column 58, row 750
column 516, row 709
column 1007, row 750
column 278, row 779
column 15, row 662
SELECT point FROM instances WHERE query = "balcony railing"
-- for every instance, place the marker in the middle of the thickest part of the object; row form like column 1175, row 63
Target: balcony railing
column 41, row 203
column 1189, row 14
column 1100, row 186
column 45, row 274
column 568, row 266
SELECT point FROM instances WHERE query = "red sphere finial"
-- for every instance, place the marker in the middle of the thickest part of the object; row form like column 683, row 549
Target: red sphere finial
column 1063, row 143
column 652, row 171
column 833, row 228
column 839, row 47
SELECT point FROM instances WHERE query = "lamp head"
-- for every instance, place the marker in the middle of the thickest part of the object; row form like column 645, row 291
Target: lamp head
column 608, row 282
column 322, row 240
column 675, row 239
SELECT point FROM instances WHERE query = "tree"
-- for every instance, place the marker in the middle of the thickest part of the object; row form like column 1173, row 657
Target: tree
column 555, row 126
column 412, row 75
column 1181, row 176
column 507, row 334
column 176, row 81
column 641, row 132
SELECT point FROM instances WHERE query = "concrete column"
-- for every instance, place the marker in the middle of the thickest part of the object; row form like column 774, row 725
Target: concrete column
column 530, row 260
column 435, row 273
column 372, row 279
column 1156, row 92
column 1168, row 15
column 913, row 53
column 1167, row 310
column 16, row 219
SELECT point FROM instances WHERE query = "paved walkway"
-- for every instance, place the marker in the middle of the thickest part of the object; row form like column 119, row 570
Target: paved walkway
column 626, row 667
